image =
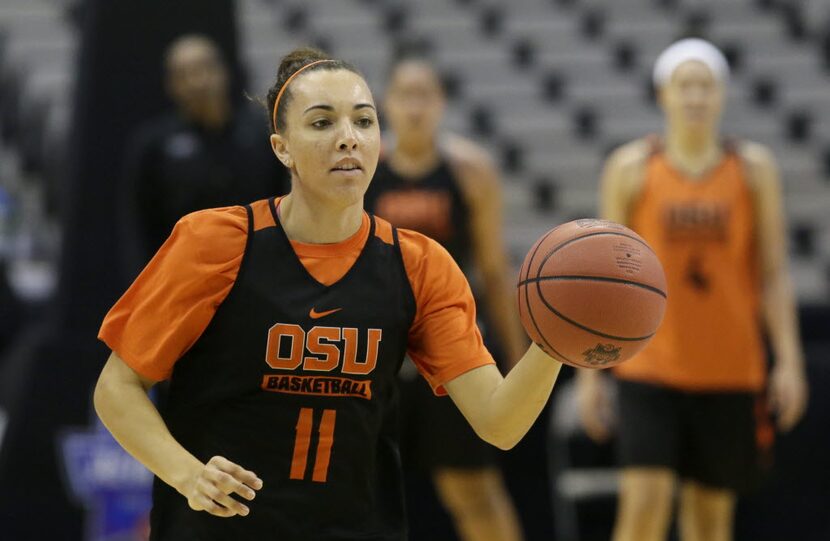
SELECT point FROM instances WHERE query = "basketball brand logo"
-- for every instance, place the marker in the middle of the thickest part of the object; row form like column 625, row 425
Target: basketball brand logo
column 628, row 256
column 601, row 354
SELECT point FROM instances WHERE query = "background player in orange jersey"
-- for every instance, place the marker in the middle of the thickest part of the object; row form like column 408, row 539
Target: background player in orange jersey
column 688, row 404
column 448, row 189
column 282, row 325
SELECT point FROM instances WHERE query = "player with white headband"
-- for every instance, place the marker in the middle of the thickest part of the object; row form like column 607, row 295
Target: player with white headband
column 690, row 49
column 689, row 411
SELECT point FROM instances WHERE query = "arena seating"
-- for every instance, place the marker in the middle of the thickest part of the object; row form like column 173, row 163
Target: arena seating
column 549, row 86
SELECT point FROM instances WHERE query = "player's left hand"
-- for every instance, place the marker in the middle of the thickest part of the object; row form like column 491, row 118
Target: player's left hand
column 788, row 394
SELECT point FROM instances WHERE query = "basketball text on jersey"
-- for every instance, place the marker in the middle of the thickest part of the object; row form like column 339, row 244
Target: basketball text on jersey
column 320, row 349
column 316, row 385
column 704, row 221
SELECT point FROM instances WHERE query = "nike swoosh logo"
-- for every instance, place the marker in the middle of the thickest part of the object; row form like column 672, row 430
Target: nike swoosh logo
column 313, row 314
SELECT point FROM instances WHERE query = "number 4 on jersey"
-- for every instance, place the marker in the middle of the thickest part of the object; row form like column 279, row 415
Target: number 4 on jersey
column 302, row 443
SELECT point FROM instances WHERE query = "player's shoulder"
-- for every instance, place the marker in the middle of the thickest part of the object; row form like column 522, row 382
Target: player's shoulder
column 214, row 225
column 755, row 154
column 474, row 166
column 431, row 270
column 220, row 216
column 625, row 167
column 423, row 254
column 632, row 154
column 466, row 154
column 761, row 171
column 206, row 242
column 463, row 150
column 415, row 243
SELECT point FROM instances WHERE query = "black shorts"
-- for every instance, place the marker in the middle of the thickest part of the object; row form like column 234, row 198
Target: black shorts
column 434, row 434
column 720, row 439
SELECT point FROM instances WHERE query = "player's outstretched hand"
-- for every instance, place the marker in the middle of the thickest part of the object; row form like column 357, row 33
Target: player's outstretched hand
column 211, row 490
column 788, row 394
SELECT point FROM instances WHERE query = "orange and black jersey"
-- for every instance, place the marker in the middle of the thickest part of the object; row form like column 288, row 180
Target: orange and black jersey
column 283, row 357
column 432, row 204
column 704, row 232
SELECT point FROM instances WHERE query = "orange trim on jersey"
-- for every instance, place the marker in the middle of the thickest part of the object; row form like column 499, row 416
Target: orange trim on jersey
column 383, row 231
column 328, row 263
column 346, row 248
column 263, row 218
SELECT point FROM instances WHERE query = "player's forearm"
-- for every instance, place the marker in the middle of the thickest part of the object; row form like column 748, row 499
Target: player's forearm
column 782, row 321
column 502, row 310
column 517, row 401
column 134, row 421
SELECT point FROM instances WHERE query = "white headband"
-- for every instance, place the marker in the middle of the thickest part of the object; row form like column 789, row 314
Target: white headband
column 690, row 49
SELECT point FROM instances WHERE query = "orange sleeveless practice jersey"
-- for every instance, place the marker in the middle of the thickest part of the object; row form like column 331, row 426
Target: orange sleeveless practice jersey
column 703, row 231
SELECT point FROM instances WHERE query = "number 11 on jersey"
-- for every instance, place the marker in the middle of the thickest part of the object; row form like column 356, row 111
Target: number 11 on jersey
column 302, row 443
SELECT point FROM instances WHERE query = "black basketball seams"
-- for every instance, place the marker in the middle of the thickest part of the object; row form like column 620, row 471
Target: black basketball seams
column 527, row 280
column 537, row 280
column 527, row 297
column 576, row 278
column 536, row 249
column 536, row 326
column 585, row 327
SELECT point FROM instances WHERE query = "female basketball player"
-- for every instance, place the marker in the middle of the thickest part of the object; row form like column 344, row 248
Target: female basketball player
column 448, row 190
column 281, row 326
column 711, row 208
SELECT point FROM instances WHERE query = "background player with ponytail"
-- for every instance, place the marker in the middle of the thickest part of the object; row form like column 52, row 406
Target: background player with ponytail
column 448, row 188
column 282, row 325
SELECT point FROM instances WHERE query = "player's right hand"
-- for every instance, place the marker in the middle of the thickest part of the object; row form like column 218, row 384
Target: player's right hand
column 212, row 488
column 593, row 399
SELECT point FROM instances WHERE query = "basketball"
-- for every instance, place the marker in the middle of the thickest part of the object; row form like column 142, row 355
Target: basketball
column 591, row 293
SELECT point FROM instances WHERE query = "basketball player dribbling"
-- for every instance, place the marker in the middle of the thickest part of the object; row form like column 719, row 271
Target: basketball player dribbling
column 281, row 326
column 689, row 407
column 448, row 189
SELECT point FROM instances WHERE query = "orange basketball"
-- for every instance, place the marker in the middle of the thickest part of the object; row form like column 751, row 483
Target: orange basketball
column 591, row 293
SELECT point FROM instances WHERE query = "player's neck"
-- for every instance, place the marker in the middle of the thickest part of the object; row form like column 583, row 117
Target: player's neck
column 414, row 158
column 693, row 151
column 313, row 222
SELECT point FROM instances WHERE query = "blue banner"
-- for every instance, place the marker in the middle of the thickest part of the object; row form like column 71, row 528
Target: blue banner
column 113, row 487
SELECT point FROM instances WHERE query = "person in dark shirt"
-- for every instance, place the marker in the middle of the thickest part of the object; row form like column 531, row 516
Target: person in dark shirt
column 208, row 152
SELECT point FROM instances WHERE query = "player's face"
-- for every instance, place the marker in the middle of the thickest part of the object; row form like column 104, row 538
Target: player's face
column 414, row 101
column 693, row 97
column 331, row 141
column 197, row 78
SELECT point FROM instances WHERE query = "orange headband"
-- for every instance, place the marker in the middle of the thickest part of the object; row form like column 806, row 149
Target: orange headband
column 288, row 82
